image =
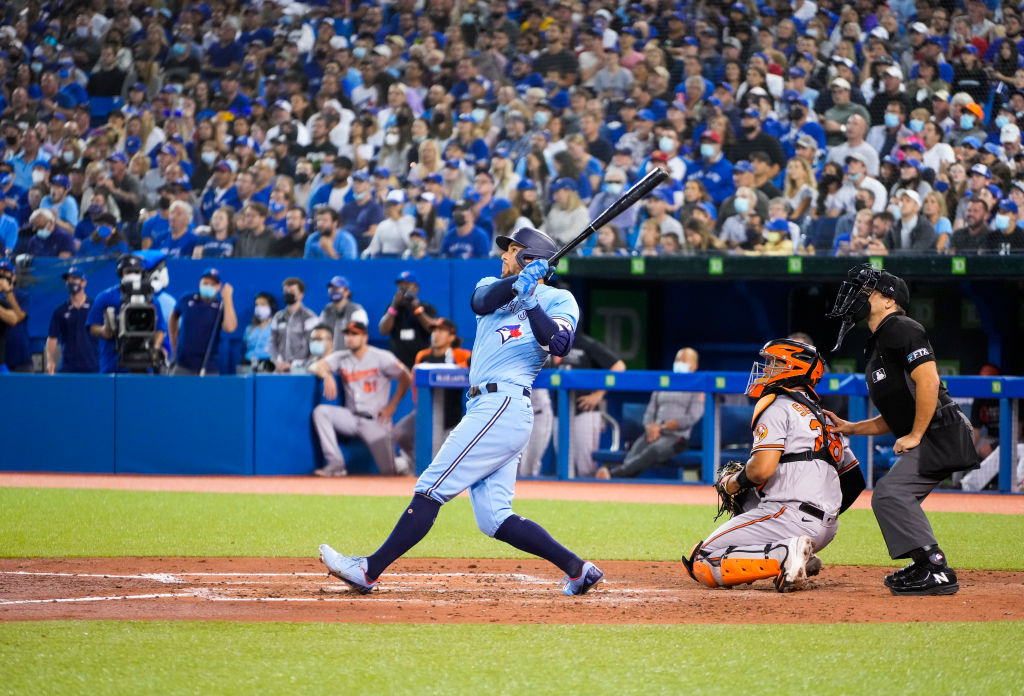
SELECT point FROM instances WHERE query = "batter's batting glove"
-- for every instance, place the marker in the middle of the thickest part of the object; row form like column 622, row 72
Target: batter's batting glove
column 526, row 289
column 536, row 270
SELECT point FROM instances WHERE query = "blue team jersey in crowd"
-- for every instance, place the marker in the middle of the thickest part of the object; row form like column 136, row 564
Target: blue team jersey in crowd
column 505, row 349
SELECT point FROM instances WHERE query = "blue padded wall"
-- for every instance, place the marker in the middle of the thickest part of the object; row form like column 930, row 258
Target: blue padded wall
column 184, row 425
column 61, row 423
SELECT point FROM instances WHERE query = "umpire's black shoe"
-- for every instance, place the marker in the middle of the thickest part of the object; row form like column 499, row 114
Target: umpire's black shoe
column 899, row 574
column 925, row 579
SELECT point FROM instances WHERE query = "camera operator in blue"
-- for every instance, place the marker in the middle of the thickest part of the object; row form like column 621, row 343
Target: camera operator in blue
column 79, row 348
column 130, row 271
column 196, row 324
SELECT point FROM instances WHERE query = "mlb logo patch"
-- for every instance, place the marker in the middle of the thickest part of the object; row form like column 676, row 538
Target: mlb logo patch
column 878, row 375
column 509, row 332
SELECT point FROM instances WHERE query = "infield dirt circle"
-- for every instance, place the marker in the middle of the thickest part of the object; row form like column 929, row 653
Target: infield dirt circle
column 465, row 590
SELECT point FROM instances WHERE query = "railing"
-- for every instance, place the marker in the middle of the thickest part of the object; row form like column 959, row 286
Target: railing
column 713, row 384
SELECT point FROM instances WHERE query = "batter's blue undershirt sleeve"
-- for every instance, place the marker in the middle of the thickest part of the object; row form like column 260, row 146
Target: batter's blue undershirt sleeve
column 549, row 333
column 491, row 297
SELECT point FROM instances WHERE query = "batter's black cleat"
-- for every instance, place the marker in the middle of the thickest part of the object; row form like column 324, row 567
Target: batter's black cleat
column 925, row 579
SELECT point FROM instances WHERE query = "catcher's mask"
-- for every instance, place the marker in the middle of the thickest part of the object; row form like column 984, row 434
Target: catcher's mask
column 851, row 303
column 787, row 364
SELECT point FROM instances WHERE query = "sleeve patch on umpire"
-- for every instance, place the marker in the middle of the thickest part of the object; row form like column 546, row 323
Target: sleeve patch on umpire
column 919, row 353
column 760, row 433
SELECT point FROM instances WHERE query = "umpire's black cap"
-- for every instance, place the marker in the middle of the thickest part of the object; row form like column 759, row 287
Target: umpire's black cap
column 894, row 287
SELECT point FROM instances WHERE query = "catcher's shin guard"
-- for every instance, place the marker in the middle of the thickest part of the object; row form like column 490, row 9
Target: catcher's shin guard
column 738, row 571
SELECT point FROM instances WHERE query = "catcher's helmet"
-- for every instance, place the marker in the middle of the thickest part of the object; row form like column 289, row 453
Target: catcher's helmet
column 788, row 363
column 538, row 245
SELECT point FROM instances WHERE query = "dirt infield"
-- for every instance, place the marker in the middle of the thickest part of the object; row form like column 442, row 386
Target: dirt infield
column 467, row 591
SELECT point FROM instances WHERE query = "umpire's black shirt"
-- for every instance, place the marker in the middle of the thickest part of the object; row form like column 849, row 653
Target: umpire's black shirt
column 898, row 345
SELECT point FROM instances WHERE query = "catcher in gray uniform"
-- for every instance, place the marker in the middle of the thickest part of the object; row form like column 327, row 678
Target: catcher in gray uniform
column 366, row 373
column 786, row 501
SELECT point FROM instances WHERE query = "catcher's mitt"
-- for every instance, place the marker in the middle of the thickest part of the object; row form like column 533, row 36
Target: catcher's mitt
column 727, row 502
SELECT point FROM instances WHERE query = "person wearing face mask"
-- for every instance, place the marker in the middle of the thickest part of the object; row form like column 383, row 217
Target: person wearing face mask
column 257, row 336
column 220, row 189
column 668, row 422
column 970, row 122
column 49, row 240
column 713, row 170
column 614, row 185
column 196, row 323
column 887, row 136
column 321, row 344
column 363, row 214
column 105, row 239
column 341, row 310
column 291, row 326
column 465, row 239
column 158, row 225
column 1007, row 237
column 79, row 348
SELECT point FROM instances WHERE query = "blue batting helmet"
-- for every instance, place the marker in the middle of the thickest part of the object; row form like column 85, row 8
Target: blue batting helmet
column 537, row 244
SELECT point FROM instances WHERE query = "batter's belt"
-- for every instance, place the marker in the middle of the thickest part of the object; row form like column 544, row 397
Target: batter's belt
column 492, row 387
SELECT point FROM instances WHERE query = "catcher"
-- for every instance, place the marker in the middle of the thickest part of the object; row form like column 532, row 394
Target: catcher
column 801, row 475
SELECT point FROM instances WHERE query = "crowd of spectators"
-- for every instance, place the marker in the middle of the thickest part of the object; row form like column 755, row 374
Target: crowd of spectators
column 409, row 129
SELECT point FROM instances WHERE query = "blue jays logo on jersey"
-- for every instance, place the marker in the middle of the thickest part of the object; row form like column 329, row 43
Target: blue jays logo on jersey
column 509, row 332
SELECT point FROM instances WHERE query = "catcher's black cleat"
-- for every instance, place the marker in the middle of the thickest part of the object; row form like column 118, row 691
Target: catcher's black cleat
column 925, row 579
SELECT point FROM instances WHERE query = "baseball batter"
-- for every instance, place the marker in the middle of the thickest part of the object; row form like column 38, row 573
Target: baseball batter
column 799, row 478
column 366, row 373
column 520, row 320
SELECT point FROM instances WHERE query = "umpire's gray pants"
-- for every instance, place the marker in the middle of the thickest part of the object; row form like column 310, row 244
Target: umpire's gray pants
column 331, row 421
column 896, row 502
column 643, row 455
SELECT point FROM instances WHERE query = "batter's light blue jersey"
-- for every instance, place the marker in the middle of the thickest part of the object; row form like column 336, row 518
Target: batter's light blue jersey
column 505, row 349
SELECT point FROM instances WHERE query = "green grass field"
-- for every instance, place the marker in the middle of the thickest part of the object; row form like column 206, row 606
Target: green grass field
column 210, row 657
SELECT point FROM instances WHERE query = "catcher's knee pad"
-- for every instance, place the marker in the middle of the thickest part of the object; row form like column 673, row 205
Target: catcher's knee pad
column 737, row 571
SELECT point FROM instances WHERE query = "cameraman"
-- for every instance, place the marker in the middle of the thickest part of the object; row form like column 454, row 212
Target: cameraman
column 194, row 328
column 130, row 271
column 407, row 321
